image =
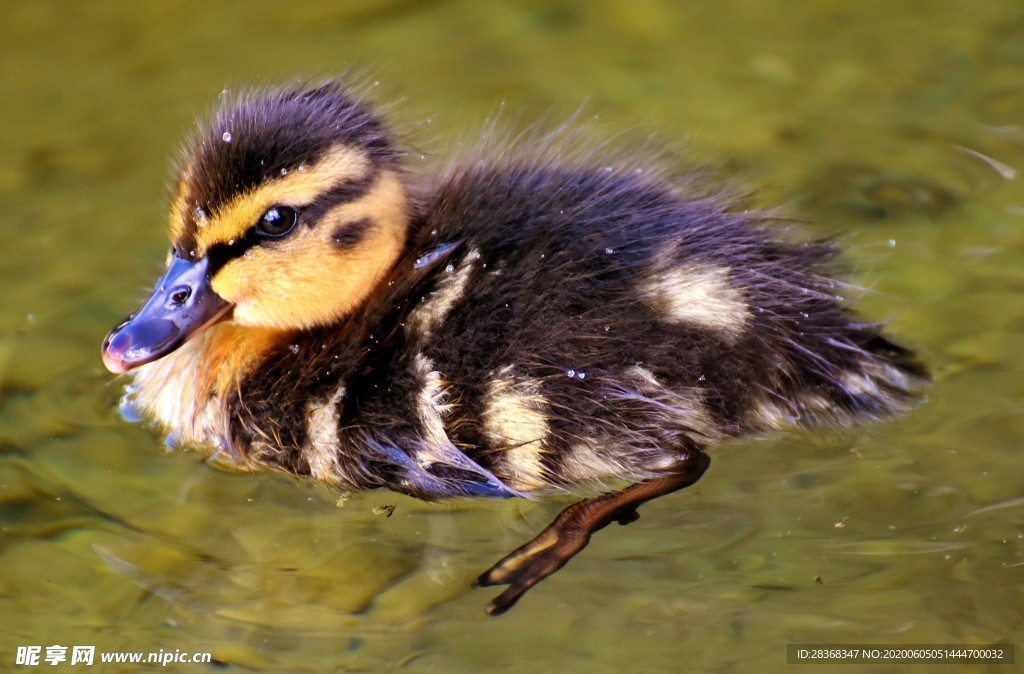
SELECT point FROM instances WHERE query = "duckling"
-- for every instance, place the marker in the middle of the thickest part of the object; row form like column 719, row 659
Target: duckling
column 516, row 328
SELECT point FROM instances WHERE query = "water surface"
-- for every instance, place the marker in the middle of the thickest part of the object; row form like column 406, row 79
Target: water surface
column 897, row 125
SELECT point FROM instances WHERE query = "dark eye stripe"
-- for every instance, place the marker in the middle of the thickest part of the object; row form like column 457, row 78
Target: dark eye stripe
column 350, row 190
column 221, row 253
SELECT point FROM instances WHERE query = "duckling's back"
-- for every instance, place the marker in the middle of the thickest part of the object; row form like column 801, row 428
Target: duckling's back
column 556, row 327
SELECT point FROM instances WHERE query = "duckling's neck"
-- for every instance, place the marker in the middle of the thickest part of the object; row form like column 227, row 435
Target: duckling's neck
column 186, row 390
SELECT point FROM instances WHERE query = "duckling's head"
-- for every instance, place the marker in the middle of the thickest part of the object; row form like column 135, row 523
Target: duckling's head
column 288, row 209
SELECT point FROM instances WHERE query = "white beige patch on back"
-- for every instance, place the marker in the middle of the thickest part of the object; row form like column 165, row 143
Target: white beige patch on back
column 436, row 306
column 698, row 295
column 321, row 451
column 432, row 405
column 515, row 421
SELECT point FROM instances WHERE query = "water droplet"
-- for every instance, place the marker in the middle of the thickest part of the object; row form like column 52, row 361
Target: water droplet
column 607, row 328
column 200, row 216
column 227, row 136
column 284, row 171
column 609, row 251
column 570, row 373
column 231, row 242
column 449, row 269
column 302, row 168
column 892, row 242
column 247, row 254
column 607, row 169
column 294, row 348
column 804, row 314
column 581, row 375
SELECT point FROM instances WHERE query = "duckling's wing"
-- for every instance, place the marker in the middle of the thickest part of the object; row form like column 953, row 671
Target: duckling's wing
column 449, row 472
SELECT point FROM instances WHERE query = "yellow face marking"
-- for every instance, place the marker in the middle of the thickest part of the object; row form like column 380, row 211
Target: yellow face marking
column 180, row 207
column 515, row 422
column 698, row 295
column 298, row 187
column 305, row 279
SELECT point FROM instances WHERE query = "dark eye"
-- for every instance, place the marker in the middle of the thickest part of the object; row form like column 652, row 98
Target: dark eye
column 277, row 221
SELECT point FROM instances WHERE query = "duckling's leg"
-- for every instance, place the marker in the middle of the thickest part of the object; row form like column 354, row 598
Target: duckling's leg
column 571, row 531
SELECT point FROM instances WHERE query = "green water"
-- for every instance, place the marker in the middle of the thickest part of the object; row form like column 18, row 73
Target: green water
column 897, row 124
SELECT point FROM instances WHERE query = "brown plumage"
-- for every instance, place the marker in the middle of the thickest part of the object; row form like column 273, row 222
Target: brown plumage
column 519, row 326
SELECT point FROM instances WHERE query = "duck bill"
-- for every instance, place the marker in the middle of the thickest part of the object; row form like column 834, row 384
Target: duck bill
column 182, row 304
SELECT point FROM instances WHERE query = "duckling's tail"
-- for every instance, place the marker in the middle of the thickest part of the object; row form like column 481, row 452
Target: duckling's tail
column 854, row 376
column 882, row 380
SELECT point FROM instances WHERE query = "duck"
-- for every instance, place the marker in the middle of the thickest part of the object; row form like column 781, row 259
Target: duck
column 511, row 326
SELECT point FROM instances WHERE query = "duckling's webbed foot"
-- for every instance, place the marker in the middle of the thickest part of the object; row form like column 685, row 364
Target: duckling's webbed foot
column 572, row 529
